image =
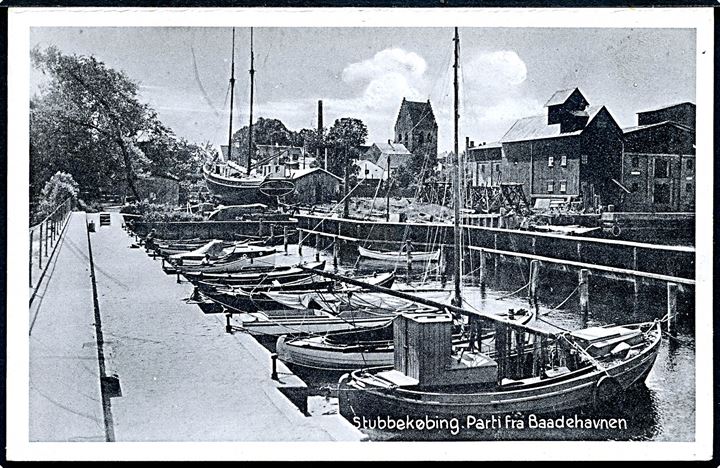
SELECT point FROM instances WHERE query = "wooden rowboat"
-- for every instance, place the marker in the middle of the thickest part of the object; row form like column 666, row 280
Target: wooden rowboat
column 399, row 256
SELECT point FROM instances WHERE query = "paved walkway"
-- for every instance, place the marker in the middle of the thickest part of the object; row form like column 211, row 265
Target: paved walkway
column 64, row 396
column 182, row 377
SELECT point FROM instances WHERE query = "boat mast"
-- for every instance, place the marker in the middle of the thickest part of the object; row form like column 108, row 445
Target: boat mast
column 252, row 92
column 232, row 89
column 457, row 300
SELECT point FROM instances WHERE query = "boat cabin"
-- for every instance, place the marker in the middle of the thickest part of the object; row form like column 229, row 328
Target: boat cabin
column 423, row 355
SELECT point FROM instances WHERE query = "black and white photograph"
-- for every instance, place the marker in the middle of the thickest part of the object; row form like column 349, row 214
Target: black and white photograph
column 374, row 233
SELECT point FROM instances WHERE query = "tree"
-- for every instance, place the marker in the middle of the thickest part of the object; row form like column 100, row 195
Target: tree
column 344, row 138
column 265, row 132
column 88, row 121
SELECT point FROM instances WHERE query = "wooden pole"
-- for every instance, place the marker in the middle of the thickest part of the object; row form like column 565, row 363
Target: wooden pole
column 672, row 291
column 47, row 233
column 534, row 281
column 300, row 243
column 40, row 250
column 584, row 291
column 636, row 295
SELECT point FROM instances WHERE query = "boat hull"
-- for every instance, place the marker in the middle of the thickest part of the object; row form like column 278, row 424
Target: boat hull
column 359, row 397
column 398, row 256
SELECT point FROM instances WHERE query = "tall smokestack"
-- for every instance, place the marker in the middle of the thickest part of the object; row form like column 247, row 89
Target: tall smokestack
column 320, row 119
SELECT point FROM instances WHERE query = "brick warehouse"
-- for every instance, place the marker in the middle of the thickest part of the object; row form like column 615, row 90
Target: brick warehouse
column 577, row 150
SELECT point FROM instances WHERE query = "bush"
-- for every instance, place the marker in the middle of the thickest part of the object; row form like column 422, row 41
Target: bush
column 153, row 213
column 89, row 207
column 59, row 188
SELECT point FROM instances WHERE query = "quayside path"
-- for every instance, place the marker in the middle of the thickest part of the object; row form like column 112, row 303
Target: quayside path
column 180, row 376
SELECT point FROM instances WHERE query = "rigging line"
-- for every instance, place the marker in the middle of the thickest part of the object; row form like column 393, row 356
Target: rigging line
column 514, row 292
column 199, row 83
column 563, row 302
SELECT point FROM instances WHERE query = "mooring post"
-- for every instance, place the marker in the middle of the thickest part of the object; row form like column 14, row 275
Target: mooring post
column 495, row 256
column 438, row 268
column 482, row 269
column 228, row 328
column 317, row 247
column 300, row 242
column 335, row 253
column 31, row 255
column 274, row 374
column 584, row 291
column 285, row 239
column 672, row 290
column 272, row 233
column 444, row 266
column 636, row 295
column 534, row 281
column 178, row 276
column 260, row 228
column 408, row 249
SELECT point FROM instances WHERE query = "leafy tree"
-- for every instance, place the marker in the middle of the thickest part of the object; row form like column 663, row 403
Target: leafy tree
column 265, row 132
column 90, row 110
column 59, row 188
column 345, row 137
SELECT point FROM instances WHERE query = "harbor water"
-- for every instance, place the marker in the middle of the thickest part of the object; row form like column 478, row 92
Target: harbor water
column 662, row 408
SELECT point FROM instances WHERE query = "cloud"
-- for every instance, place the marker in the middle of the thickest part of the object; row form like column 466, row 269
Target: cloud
column 386, row 61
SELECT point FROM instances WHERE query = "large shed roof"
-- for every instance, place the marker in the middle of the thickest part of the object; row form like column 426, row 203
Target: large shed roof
column 537, row 128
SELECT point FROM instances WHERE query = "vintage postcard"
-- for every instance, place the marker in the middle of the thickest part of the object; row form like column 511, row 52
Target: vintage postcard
column 360, row 234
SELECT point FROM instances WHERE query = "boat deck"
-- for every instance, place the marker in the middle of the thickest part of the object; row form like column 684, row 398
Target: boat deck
column 182, row 378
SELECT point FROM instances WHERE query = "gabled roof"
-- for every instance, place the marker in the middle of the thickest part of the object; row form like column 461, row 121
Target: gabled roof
column 658, row 124
column 418, row 111
column 299, row 173
column 392, row 148
column 669, row 106
column 536, row 127
column 560, row 97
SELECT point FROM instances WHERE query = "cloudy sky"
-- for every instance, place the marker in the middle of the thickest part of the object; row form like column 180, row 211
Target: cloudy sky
column 507, row 73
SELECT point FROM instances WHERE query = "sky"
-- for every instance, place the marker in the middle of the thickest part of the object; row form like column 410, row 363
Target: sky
column 506, row 73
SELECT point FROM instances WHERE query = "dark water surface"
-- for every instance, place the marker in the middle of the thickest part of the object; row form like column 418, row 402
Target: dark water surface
column 662, row 408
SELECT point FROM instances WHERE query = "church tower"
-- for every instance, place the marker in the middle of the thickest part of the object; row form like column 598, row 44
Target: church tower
column 416, row 127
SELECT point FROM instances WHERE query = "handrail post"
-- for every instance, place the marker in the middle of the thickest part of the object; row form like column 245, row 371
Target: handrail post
column 31, row 255
column 40, row 250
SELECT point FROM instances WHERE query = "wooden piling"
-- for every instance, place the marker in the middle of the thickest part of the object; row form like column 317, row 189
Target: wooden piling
column 285, row 239
column 636, row 295
column 584, row 290
column 317, row 247
column 300, row 242
column 672, row 291
column 272, row 234
column 534, row 281
column 482, row 269
column 336, row 246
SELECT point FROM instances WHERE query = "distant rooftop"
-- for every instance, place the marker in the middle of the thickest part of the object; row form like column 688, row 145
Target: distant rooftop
column 536, row 128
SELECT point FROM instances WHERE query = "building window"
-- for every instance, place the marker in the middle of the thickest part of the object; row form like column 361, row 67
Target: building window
column 563, row 186
column 550, row 186
column 635, row 162
column 662, row 193
column 634, row 187
column 661, row 169
column 584, row 158
column 497, row 167
column 551, row 161
column 688, row 188
column 367, row 171
column 563, row 160
column 689, row 164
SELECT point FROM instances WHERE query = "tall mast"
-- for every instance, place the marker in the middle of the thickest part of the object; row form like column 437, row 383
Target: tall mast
column 252, row 93
column 232, row 90
column 457, row 300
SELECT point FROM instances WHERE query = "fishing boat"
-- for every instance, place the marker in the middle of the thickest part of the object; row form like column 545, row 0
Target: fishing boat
column 528, row 370
column 399, row 256
column 363, row 348
column 308, row 321
column 251, row 275
column 473, row 384
column 232, row 184
column 253, row 298
column 332, row 300
column 236, row 260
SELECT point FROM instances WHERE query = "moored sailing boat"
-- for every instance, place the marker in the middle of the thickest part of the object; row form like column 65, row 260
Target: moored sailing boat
column 232, row 184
